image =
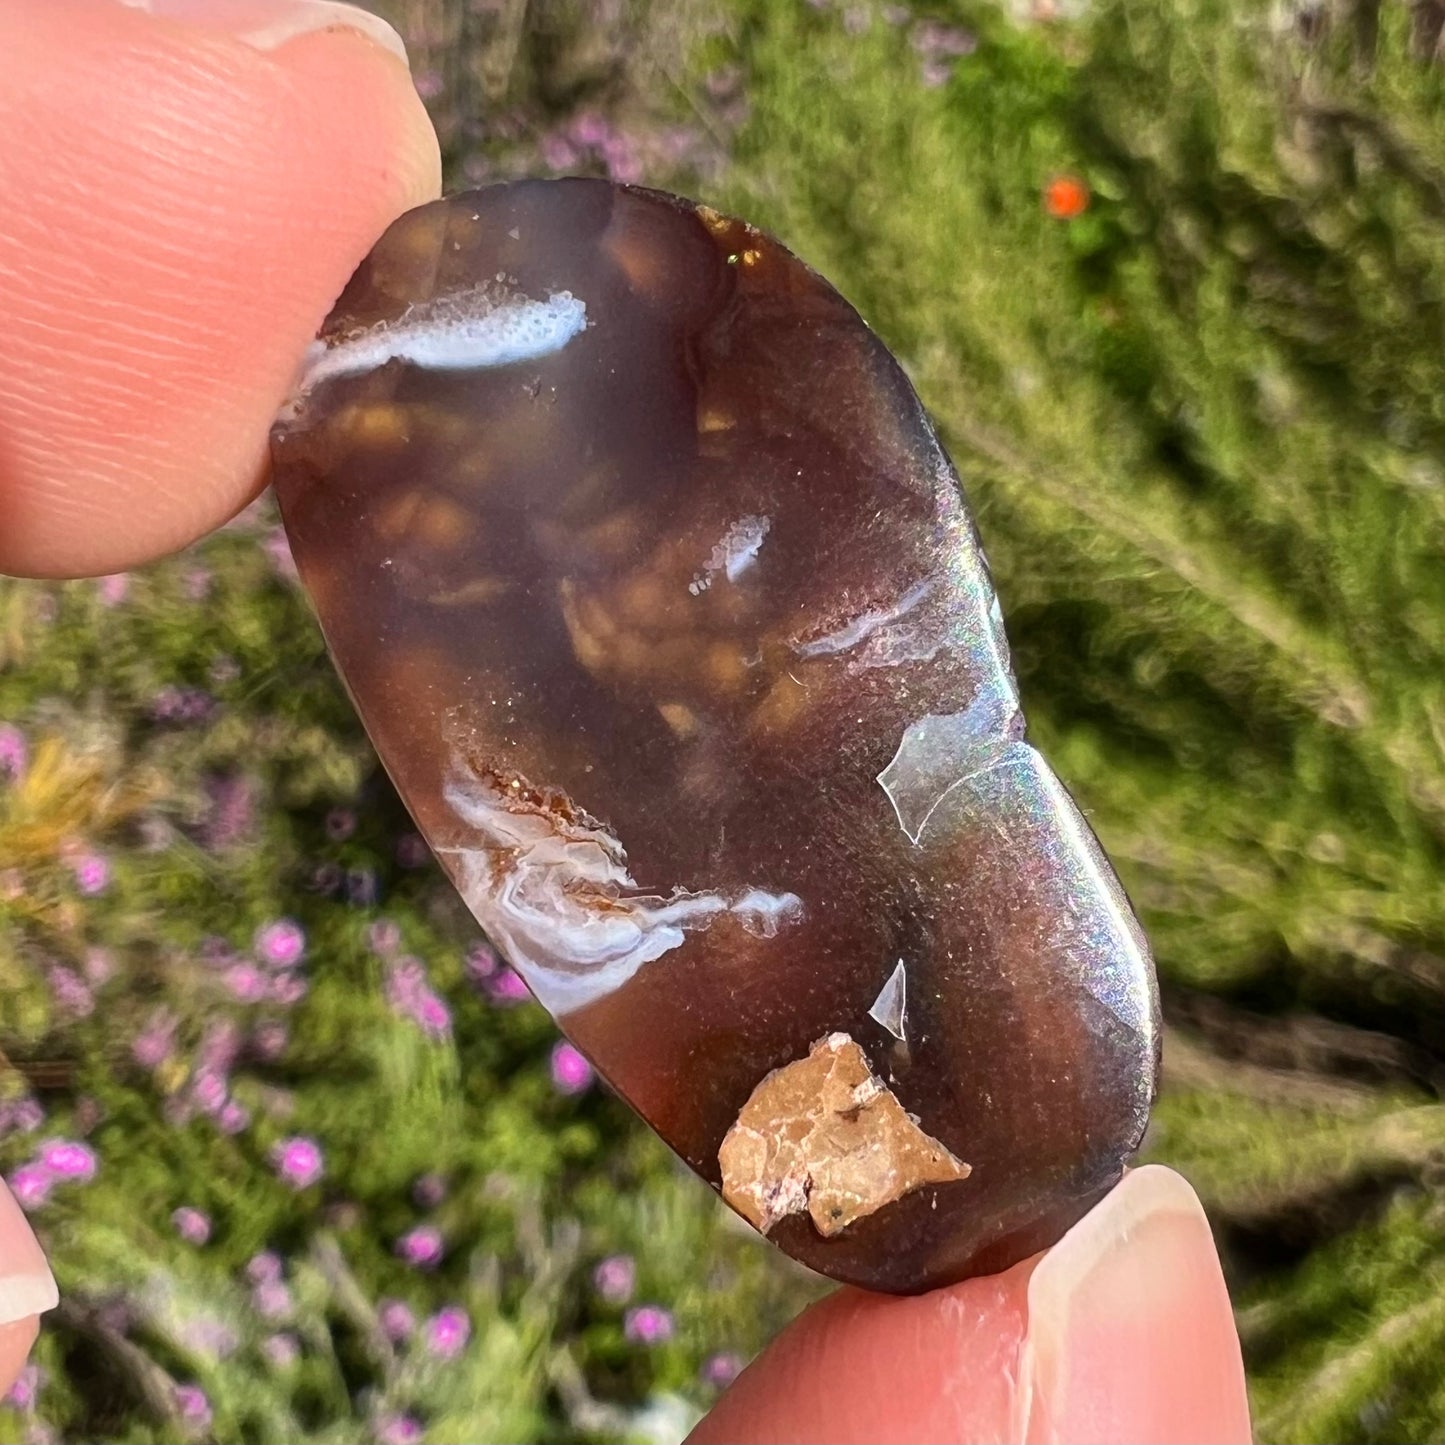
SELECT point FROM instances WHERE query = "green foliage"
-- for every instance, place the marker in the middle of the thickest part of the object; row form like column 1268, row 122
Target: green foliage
column 1201, row 425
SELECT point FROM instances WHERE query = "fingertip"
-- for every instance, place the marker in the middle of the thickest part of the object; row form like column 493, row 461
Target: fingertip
column 1121, row 1333
column 1131, row 1335
column 16, row 1341
column 27, row 1288
column 216, row 197
column 869, row 1368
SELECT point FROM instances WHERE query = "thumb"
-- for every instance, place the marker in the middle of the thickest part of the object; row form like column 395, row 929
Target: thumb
column 26, row 1289
column 185, row 187
column 1121, row 1333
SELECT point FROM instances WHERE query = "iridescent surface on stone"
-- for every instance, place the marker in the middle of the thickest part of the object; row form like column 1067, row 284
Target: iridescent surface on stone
column 662, row 605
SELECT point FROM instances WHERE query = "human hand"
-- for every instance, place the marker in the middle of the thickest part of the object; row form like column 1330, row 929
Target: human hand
column 186, row 185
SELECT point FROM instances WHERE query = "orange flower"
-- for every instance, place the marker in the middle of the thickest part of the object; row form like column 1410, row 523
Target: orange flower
column 1066, row 197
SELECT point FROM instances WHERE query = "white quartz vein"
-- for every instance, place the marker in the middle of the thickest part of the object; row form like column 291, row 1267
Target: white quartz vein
column 483, row 327
column 552, row 889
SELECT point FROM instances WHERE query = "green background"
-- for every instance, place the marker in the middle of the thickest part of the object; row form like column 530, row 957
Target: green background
column 1200, row 425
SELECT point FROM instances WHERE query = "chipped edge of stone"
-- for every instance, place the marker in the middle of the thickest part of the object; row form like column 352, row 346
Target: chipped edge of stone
column 825, row 1136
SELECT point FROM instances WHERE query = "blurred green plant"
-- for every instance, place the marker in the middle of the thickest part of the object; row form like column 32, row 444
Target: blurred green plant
column 1170, row 279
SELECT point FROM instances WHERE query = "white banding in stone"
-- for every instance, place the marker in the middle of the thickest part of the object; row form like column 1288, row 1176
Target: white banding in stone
column 865, row 625
column 478, row 328
column 552, row 889
column 734, row 554
column 890, row 1008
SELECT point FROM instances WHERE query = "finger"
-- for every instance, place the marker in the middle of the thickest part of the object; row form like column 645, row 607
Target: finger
column 26, row 1289
column 1121, row 1333
column 185, row 187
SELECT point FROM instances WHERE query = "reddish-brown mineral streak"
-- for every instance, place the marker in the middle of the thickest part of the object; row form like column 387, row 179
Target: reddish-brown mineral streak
column 824, row 1134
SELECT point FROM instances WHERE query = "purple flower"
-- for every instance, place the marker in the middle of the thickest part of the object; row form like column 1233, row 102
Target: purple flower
column 398, row 1430
column 408, row 993
column 232, row 1117
column 481, row 962
column 14, row 753
column 271, row 1300
column 182, row 705
column 215, row 952
column 196, row 584
column 590, row 129
column 421, row 1246
column 325, row 878
column 288, row 988
column 68, row 1159
column 856, row 19
column 209, row 1089
column 191, row 1224
column 623, row 164
column 71, row 991
column 221, row 1046
column 506, row 987
column 930, row 38
column 647, row 1325
column 264, row 1267
column 281, row 944
column 397, row 1320
column 152, row 1046
column 270, row 1038
column 361, row 890
column 448, row 1331
column 26, row 1387
column 383, row 937
column 113, row 590
column 194, row 1407
column 429, row 84
column 231, row 817
column 212, row 1337
column 30, row 1184
column 721, row 1369
column 429, row 1190
column 615, row 1278
column 340, row 824
column 99, row 966
column 26, row 1116
column 92, row 873
column 412, row 851
column 281, row 1350
column 298, row 1161
column 246, row 982
column 934, row 73
column 571, row 1073
column 558, row 153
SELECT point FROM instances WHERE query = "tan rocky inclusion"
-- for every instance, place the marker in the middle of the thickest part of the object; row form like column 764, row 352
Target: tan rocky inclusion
column 661, row 603
column 826, row 1136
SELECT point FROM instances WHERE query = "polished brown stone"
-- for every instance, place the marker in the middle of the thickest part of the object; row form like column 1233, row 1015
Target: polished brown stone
column 661, row 603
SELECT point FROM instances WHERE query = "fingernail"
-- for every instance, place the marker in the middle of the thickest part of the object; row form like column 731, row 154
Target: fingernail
column 269, row 24
column 1131, row 1336
column 26, row 1285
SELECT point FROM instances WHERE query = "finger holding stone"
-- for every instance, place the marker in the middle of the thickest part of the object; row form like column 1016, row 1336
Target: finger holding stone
column 223, row 167
column 1121, row 1333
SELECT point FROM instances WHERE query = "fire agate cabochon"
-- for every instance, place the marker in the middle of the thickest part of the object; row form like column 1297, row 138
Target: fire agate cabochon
column 662, row 604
